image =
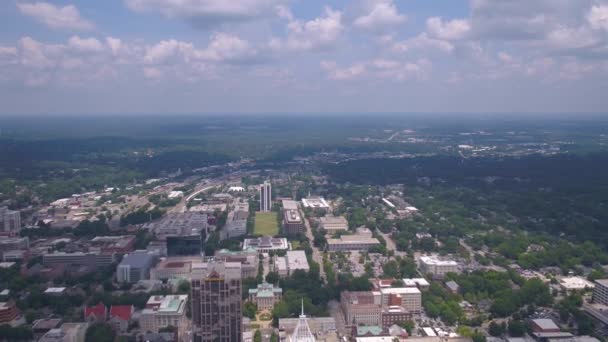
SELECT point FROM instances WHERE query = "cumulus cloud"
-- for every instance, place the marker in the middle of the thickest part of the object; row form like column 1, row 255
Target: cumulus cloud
column 598, row 17
column 382, row 15
column 207, row 12
column 67, row 17
column 315, row 34
column 423, row 42
column 448, row 30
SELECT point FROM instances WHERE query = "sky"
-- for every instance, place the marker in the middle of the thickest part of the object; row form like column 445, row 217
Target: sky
column 286, row 56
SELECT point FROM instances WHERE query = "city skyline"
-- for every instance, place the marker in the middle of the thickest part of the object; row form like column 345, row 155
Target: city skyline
column 143, row 56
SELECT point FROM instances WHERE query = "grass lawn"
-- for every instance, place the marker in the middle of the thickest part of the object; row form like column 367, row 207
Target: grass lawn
column 266, row 224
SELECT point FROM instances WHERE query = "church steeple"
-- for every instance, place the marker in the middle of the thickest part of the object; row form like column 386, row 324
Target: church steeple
column 302, row 332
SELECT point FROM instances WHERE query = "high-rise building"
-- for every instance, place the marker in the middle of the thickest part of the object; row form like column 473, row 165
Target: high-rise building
column 265, row 197
column 302, row 331
column 216, row 301
column 10, row 221
column 600, row 292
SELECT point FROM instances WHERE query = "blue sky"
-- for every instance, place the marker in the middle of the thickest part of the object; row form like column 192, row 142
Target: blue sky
column 190, row 56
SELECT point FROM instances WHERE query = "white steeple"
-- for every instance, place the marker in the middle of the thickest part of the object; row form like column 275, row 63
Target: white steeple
column 302, row 332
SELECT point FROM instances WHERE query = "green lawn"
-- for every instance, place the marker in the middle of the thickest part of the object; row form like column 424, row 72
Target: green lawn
column 266, row 224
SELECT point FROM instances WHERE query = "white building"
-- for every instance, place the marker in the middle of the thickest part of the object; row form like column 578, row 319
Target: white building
column 575, row 283
column 296, row 260
column 280, row 266
column 315, row 203
column 164, row 311
column 265, row 197
column 420, row 283
column 176, row 194
column 437, row 267
column 302, row 331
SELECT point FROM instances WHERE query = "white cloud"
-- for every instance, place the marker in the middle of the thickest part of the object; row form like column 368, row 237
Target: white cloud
column 152, row 73
column 598, row 17
column 448, row 30
column 318, row 33
column 423, row 42
column 86, row 45
column 207, row 12
column 225, row 47
column 378, row 69
column 383, row 14
column 67, row 17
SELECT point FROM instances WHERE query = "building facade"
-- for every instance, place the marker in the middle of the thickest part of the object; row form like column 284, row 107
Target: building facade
column 437, row 267
column 265, row 296
column 265, row 197
column 216, row 301
column 292, row 222
column 600, row 292
column 10, row 221
column 8, row 311
column 333, row 224
column 135, row 267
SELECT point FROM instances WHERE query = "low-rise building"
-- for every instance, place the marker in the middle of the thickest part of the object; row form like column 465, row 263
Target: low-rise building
column 363, row 240
column 265, row 296
column 173, row 268
column 280, row 266
column 333, row 224
column 135, row 266
column 248, row 258
column 163, row 311
column 296, row 260
column 236, row 222
column 114, row 244
column 420, row 283
column 96, row 313
column 408, row 298
column 437, row 267
column 575, row 283
column 89, row 259
column 68, row 332
column 120, row 317
column 315, row 203
column 266, row 244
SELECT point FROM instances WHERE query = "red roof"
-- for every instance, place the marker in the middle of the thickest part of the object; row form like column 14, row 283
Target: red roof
column 121, row 311
column 99, row 311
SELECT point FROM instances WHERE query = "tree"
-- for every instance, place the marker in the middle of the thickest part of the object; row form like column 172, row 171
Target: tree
column 517, row 328
column 496, row 329
column 257, row 337
column 99, row 333
column 250, row 309
column 272, row 277
column 408, row 325
column 183, row 287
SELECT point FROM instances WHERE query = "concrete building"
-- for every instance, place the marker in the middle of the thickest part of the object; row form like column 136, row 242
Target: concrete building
column 173, row 268
column 236, row 222
column 280, row 266
column 10, row 221
column 333, row 224
column 179, row 224
column 362, row 307
column 600, row 292
column 13, row 243
column 135, row 267
column 265, row 197
column 216, row 301
column 315, row 203
column 184, row 245
column 395, row 315
column 293, row 223
column 420, row 283
column 8, row 312
column 265, row 296
column 89, row 259
column 437, row 267
column 363, row 240
column 296, row 260
column 163, row 311
column 266, row 244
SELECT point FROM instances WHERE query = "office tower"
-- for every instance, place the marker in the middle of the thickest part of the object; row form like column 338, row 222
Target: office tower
column 216, row 301
column 10, row 221
column 265, row 197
